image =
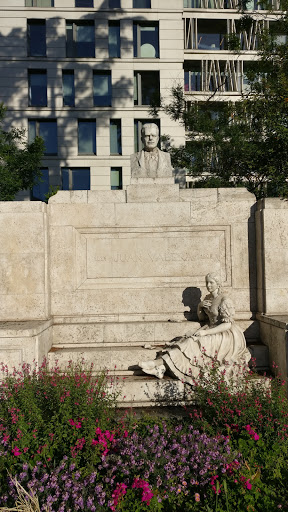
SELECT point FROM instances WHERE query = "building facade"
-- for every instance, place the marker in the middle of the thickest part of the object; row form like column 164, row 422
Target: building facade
column 82, row 74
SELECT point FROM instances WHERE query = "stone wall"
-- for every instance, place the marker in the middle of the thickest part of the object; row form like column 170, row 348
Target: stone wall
column 120, row 258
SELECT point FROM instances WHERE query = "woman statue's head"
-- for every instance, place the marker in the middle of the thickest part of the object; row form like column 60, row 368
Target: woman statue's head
column 212, row 276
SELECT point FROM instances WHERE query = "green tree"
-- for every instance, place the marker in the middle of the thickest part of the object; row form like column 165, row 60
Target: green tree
column 19, row 161
column 243, row 143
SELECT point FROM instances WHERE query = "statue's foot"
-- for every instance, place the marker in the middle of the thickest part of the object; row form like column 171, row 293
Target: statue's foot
column 147, row 365
column 158, row 371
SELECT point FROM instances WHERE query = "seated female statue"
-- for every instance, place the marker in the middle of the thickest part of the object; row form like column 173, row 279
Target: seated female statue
column 218, row 339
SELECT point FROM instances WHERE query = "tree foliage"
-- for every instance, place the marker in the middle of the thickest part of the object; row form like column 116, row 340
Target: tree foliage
column 244, row 142
column 19, row 161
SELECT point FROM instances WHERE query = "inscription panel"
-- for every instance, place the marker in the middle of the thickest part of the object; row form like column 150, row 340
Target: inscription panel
column 148, row 259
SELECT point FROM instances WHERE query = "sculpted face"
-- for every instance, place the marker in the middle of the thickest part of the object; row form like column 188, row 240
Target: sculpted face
column 150, row 136
column 211, row 285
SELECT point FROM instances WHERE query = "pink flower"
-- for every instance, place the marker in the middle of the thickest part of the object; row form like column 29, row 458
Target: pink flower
column 197, row 496
column 74, row 424
column 16, row 451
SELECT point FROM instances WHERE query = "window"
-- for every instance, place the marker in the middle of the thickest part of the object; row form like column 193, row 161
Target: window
column 114, row 4
column 146, row 88
column 39, row 191
column 37, row 88
column 47, row 130
column 68, row 88
column 211, row 34
column 39, row 3
column 102, row 93
column 146, row 39
column 116, row 178
column 80, row 39
column 83, row 3
column 87, row 137
column 138, row 123
column 141, row 4
column 192, row 77
column 75, row 178
column 115, row 137
column 36, row 31
column 114, row 44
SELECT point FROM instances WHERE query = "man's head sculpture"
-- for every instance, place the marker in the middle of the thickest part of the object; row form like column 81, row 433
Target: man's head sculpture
column 150, row 136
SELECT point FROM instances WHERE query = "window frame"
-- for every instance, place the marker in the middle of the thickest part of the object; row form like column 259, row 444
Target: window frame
column 116, row 24
column 137, row 25
column 138, row 88
column 89, row 122
column 37, row 122
column 34, row 3
column 118, row 142
column 68, row 72
column 119, row 170
column 107, row 73
column 35, row 72
column 70, row 177
column 72, row 44
column 30, row 23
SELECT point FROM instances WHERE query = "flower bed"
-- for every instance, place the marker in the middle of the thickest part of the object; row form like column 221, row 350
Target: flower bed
column 62, row 438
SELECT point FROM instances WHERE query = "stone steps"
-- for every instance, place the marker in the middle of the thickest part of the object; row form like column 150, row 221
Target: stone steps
column 119, row 346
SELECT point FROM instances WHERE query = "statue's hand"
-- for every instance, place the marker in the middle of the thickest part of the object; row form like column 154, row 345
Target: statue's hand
column 201, row 332
column 206, row 303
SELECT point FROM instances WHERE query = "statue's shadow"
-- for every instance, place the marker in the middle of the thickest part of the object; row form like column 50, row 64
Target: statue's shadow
column 191, row 297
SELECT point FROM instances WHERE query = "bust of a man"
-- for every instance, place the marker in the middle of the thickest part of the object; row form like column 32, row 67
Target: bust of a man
column 151, row 162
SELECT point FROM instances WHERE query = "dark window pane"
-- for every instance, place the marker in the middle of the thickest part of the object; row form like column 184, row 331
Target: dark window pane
column 80, row 39
column 45, row 129
column 80, row 179
column 211, row 34
column 114, row 4
column 37, row 88
column 87, row 137
column 115, row 137
column 65, row 178
column 75, row 178
column 102, row 89
column 48, row 131
column 147, row 88
column 142, row 4
column 37, row 38
column 83, row 3
column 116, row 178
column 85, row 41
column 40, row 190
column 68, row 88
column 114, row 39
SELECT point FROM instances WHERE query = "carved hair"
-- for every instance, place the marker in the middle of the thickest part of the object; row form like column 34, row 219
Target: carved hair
column 216, row 278
column 149, row 125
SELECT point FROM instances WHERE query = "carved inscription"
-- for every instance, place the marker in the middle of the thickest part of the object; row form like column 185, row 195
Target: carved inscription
column 165, row 255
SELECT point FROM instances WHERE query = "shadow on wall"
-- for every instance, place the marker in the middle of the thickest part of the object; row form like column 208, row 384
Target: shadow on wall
column 190, row 298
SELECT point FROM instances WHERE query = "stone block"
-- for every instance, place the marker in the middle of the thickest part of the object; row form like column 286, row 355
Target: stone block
column 152, row 193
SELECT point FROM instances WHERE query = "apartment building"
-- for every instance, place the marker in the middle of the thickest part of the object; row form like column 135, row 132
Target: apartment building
column 82, row 74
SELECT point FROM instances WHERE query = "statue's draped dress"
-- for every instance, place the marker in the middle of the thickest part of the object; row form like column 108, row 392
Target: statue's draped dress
column 185, row 357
